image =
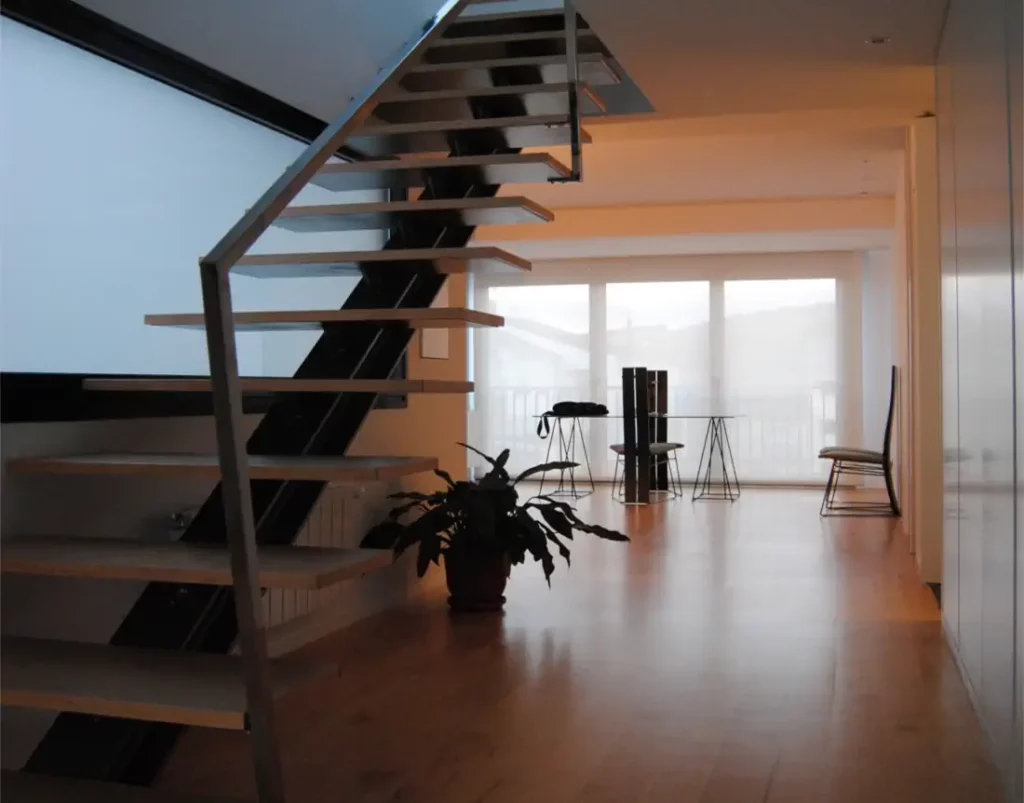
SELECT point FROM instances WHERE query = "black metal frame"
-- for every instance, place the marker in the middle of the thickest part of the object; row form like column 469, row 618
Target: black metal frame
column 567, row 453
column 673, row 486
column 658, row 400
column 637, row 472
column 829, row 507
column 888, row 509
column 716, row 444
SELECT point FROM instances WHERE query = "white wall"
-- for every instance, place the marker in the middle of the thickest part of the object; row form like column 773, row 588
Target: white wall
column 113, row 186
column 877, row 333
column 980, row 191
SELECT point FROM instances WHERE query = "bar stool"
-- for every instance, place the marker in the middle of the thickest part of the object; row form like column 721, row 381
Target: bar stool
column 670, row 451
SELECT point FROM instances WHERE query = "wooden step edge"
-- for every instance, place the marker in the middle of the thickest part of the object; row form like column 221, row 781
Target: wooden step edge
column 438, row 162
column 468, row 124
column 489, row 15
column 25, row 787
column 294, row 567
column 421, row 207
column 206, row 467
column 508, row 38
column 443, row 257
column 184, row 688
column 259, row 384
column 399, row 95
column 512, row 61
column 438, row 316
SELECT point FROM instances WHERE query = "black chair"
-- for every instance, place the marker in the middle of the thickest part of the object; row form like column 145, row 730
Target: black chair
column 669, row 452
column 863, row 463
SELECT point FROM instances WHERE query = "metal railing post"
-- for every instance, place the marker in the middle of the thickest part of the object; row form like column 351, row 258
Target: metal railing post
column 240, row 529
column 573, row 74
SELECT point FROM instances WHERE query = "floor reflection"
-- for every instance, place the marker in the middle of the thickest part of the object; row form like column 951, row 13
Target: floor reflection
column 730, row 654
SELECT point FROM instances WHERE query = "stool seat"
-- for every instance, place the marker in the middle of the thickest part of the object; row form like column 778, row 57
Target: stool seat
column 852, row 455
column 656, row 448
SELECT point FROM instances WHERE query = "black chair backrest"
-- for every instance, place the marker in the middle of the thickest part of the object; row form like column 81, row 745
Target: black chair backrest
column 887, row 444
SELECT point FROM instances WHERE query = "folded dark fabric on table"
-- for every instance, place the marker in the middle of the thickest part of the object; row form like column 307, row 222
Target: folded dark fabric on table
column 569, row 409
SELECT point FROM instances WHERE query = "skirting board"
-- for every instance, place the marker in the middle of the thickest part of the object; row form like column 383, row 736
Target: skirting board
column 322, row 622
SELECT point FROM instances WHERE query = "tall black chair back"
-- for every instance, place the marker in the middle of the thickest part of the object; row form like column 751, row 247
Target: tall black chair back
column 887, row 445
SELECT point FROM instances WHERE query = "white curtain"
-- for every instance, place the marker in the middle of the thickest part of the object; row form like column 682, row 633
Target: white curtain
column 775, row 340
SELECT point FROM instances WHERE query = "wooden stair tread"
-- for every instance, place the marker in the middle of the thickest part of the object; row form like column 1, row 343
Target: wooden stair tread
column 503, row 38
column 473, row 124
column 594, row 67
column 333, row 263
column 422, row 318
column 24, row 787
column 538, row 100
column 383, row 214
column 299, row 567
column 515, row 90
column 499, row 168
column 270, row 384
column 433, row 136
column 506, row 61
column 487, row 15
column 201, row 466
column 157, row 685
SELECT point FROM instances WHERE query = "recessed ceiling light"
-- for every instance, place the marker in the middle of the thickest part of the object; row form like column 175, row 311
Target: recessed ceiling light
column 877, row 40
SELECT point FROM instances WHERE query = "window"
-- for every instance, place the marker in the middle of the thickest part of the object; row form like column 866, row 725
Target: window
column 773, row 339
column 540, row 356
column 779, row 372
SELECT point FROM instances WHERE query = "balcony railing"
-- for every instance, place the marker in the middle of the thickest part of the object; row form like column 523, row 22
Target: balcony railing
column 775, row 438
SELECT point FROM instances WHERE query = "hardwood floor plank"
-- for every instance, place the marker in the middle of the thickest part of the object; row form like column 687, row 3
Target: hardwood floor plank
column 746, row 653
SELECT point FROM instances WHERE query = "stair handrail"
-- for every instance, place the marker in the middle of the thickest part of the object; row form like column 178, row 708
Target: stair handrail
column 236, row 498
column 255, row 221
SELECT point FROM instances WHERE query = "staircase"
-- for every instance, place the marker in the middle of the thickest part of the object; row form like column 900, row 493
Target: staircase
column 458, row 106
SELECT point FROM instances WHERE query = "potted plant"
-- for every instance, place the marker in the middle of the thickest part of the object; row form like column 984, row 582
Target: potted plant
column 482, row 531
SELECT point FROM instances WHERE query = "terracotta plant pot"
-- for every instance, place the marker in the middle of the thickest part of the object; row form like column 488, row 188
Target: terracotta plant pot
column 476, row 579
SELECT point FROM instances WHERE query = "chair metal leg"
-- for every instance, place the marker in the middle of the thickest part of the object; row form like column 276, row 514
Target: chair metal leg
column 616, row 482
column 829, row 506
column 890, row 488
column 677, row 487
column 826, row 500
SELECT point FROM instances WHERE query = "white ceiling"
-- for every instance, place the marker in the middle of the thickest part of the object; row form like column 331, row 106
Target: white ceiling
column 690, row 169
column 757, row 100
column 694, row 57
column 753, row 99
column 313, row 54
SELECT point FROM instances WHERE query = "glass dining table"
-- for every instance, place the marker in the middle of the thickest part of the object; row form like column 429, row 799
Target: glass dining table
column 716, row 453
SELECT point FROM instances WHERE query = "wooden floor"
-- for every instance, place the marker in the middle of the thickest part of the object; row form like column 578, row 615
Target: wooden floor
column 744, row 653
